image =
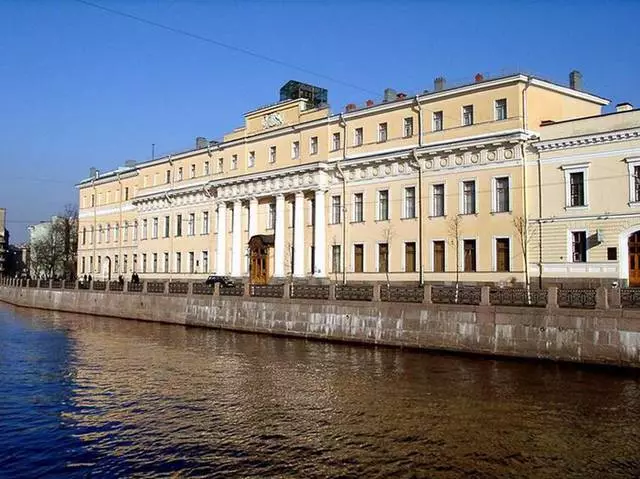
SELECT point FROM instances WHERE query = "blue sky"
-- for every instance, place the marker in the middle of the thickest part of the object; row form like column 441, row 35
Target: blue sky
column 81, row 87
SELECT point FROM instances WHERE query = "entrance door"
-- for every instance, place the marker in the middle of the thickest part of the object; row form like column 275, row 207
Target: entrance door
column 634, row 259
column 259, row 266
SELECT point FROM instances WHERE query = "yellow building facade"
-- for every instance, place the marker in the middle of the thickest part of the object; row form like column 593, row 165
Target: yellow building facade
column 414, row 188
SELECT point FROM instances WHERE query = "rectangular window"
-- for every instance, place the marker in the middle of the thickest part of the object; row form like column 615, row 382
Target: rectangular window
column 108, row 234
column 410, row 257
column 205, row 261
column 166, row 263
column 383, row 205
column 438, row 123
column 579, row 246
column 468, row 197
column 135, row 262
column 358, row 207
column 336, row 207
column 501, row 109
column 125, row 232
column 125, row 264
column 438, row 200
column 612, row 253
column 220, row 165
column 192, row 224
column 382, row 132
column 154, row 228
column 126, row 194
column 295, row 150
column 178, row 262
column 502, row 195
column 167, row 178
column 410, row 202
column 251, row 161
column 636, row 183
column 155, row 262
column 83, row 266
column 503, row 255
column 467, row 115
column 135, row 231
column 234, row 162
column 180, row 174
column 167, row 226
column 358, row 258
column 335, row 144
column 271, row 217
column 84, row 236
column 192, row 261
column 205, row 222
column 469, row 255
column 93, row 200
column 407, row 130
column 206, row 169
column 383, row 257
column 272, row 154
column 336, row 258
column 358, row 137
column 438, row 257
column 144, row 262
column 313, row 145
column 193, row 170
column 144, row 229
column 179, row 225
column 99, row 264
column 576, row 182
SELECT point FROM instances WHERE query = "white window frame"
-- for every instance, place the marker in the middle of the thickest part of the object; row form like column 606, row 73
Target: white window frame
column 251, row 159
column 180, row 174
column 404, row 202
column 461, row 194
column 205, row 265
column 383, row 129
column 154, row 227
column 193, row 170
column 295, row 150
column 339, row 270
column 191, row 224
column 494, row 194
column 178, row 261
column 332, row 217
column 433, row 120
column 273, row 152
column 353, row 257
column 569, row 256
column 234, row 162
column 407, row 121
column 205, row 168
column 461, row 252
column 145, row 227
column 355, row 136
column 462, row 112
column 576, row 168
column 494, row 253
column 205, row 222
column 432, row 255
column 377, row 268
column 271, row 215
column 313, row 145
column 495, row 109
column 353, row 207
column 631, row 164
column 166, row 262
column 378, row 216
column 433, row 200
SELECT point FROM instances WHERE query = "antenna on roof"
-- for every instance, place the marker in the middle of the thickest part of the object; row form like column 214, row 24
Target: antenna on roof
column 153, row 151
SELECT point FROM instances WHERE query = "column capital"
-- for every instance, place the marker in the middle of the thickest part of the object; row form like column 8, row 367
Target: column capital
column 279, row 196
column 299, row 194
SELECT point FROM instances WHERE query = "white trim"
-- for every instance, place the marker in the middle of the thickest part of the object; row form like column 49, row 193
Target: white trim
column 494, row 253
column 623, row 251
column 432, row 254
column 353, row 206
column 461, row 182
column 576, row 168
column 462, row 111
column 494, row 194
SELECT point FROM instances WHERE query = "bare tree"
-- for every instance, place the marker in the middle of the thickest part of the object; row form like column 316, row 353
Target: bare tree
column 525, row 235
column 388, row 234
column 455, row 230
column 54, row 253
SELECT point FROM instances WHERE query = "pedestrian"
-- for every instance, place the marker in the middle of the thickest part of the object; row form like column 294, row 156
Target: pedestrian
column 90, row 279
column 120, row 280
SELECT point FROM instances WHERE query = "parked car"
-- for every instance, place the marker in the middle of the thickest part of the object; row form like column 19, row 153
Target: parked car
column 222, row 280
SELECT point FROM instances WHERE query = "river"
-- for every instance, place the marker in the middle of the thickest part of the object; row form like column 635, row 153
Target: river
column 87, row 396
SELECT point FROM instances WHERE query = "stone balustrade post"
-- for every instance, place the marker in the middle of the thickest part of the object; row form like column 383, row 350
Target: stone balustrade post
column 376, row 293
column 602, row 299
column 426, row 295
column 107, row 286
column 38, row 283
column 332, row 292
column 552, row 297
column 50, row 283
column 616, row 300
column 485, row 296
column 76, row 286
column 64, row 283
column 286, row 290
column 247, row 290
column 189, row 288
column 216, row 289
column 144, row 286
column 125, row 287
column 165, row 287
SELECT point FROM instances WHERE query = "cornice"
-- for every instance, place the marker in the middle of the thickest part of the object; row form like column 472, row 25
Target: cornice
column 587, row 140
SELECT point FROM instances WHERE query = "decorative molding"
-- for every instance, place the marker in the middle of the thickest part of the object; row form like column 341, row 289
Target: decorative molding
column 587, row 140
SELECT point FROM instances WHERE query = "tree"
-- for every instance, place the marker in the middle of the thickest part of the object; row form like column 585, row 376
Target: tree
column 455, row 229
column 387, row 235
column 54, row 250
column 525, row 235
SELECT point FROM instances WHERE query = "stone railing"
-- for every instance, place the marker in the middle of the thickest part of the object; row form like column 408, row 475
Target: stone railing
column 550, row 298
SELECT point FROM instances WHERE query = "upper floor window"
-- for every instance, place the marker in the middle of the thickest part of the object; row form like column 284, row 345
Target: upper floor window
column 313, row 145
column 336, row 207
column 335, row 144
column 154, row 228
column 206, row 168
column 501, row 202
column 295, row 150
column 167, row 178
column 193, row 170
column 575, row 177
column 272, row 154
column 84, row 236
column 192, row 224
column 383, row 205
column 579, row 246
column 576, row 183
column 467, row 115
column 501, row 109
column 251, row 161
column 468, row 197
column 410, row 202
column 126, row 193
column 271, row 217
column 382, row 132
column 220, row 165
column 234, row 162
column 144, row 229
column 358, row 207
column 438, row 123
column 438, row 200
column 180, row 174
column 633, row 165
column 178, row 225
column 407, row 130
column 135, row 231
column 205, row 222
column 93, row 200
column 167, row 226
column 358, row 137
column 108, row 234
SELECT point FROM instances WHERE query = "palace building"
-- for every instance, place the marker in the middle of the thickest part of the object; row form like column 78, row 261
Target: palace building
column 461, row 182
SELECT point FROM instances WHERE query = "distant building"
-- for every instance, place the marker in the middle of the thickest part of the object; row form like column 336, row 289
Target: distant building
column 37, row 234
column 4, row 241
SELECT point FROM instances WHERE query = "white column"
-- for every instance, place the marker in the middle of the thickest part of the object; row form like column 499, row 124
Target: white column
column 253, row 217
column 320, row 236
column 298, row 236
column 236, row 238
column 279, row 239
column 221, row 257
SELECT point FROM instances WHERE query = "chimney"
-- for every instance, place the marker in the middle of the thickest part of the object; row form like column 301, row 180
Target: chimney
column 350, row 107
column 201, row 142
column 389, row 94
column 93, row 172
column 369, row 102
column 479, row 77
column 401, row 96
column 624, row 107
column 575, row 80
column 439, row 84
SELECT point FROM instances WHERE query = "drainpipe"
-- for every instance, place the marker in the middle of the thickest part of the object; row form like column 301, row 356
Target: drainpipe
column 120, row 227
column 420, row 200
column 343, row 177
column 525, row 208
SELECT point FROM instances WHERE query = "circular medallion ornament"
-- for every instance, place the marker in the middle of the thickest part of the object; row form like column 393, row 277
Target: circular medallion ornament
column 374, row 171
column 387, row 170
column 444, row 162
column 400, row 168
column 459, row 160
column 491, row 155
column 428, row 164
column 508, row 154
column 363, row 173
column 475, row 158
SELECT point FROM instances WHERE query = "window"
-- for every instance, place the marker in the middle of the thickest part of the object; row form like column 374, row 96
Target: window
column 295, row 150
column 335, row 144
column 336, row 257
column 125, row 232
column 469, row 255
column 410, row 257
column 99, row 264
column 410, row 202
column 116, row 232
column 108, row 234
column 93, row 200
column 438, row 124
column 144, row 229
column 205, row 261
column 205, row 222
column 251, row 161
column 272, row 154
column 191, row 224
column 407, row 130
column 438, row 257
column 502, row 195
column 383, row 257
column 193, row 170
column 383, row 205
column 166, row 263
column 358, row 137
column 167, row 226
column 271, row 217
column 503, row 254
column 135, row 231
column 612, row 253
column 180, row 174
column 83, row 270
column 155, row 262
column 192, row 261
column 438, row 200
column 167, row 178
column 313, row 145
column 312, row 211
column 135, row 262
column 501, row 109
column 467, row 115
column 234, row 162
column 576, row 188
column 178, row 225
column 126, row 194
column 144, row 262
column 358, row 258
column 636, row 183
column 154, row 228
column 125, row 262
column 220, row 165
column 336, row 206
column 90, row 264
column 206, row 170
column 178, row 262
column 579, row 246
column 84, row 236
column 358, row 205
column 382, row 132
column 468, row 197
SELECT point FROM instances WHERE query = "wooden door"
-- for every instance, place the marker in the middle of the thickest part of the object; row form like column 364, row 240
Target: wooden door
column 634, row 259
column 259, row 266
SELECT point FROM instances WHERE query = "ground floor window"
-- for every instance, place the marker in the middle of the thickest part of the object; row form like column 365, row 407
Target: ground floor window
column 438, row 257
column 336, row 257
column 579, row 246
column 358, row 258
column 410, row 257
column 469, row 255
column 502, row 254
column 383, row 257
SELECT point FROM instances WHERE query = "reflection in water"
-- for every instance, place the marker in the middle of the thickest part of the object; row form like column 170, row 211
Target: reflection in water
column 109, row 397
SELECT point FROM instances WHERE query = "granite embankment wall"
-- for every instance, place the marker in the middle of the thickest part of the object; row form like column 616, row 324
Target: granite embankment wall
column 597, row 336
